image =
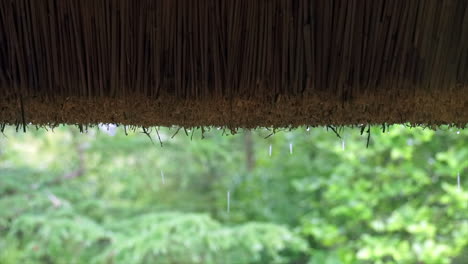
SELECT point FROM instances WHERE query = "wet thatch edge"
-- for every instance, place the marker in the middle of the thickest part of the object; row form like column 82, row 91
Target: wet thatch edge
column 418, row 109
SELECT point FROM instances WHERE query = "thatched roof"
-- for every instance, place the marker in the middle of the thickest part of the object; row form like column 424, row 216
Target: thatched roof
column 234, row 63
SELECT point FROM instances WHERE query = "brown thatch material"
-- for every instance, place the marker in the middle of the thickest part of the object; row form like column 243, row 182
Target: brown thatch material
column 233, row 63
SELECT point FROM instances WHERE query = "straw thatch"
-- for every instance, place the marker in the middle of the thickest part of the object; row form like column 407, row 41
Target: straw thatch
column 233, row 63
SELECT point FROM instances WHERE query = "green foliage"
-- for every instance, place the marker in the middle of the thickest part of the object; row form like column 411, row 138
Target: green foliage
column 67, row 197
column 192, row 238
column 395, row 202
column 116, row 212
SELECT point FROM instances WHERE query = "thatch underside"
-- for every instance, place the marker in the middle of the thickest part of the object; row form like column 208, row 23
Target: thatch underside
column 420, row 108
column 234, row 63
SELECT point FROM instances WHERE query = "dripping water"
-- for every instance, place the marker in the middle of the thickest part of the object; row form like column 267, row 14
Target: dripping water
column 290, row 148
column 269, row 150
column 228, row 201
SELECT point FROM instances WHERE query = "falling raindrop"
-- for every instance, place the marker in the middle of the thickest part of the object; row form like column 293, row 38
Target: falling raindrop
column 343, row 144
column 109, row 129
column 228, row 201
column 458, row 132
column 56, row 202
column 290, row 148
column 162, row 177
column 269, row 151
column 458, row 181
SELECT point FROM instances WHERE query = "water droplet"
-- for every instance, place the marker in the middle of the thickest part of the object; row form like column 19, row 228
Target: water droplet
column 269, row 150
column 430, row 161
column 290, row 148
column 458, row 181
column 162, row 177
column 458, row 132
column 228, row 201
column 109, row 129
column 410, row 142
column 343, row 144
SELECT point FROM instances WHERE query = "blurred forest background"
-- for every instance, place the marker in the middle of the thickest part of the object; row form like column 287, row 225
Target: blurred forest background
column 300, row 196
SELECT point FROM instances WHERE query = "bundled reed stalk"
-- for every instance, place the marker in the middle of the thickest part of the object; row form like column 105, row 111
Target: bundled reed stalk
column 238, row 63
